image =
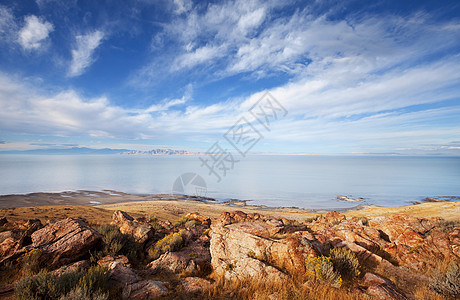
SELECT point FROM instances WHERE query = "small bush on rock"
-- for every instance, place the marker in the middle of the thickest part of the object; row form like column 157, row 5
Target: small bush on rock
column 322, row 270
column 345, row 262
column 448, row 284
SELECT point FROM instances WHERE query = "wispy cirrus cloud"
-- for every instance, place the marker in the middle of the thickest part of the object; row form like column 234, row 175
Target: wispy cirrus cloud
column 34, row 33
column 83, row 53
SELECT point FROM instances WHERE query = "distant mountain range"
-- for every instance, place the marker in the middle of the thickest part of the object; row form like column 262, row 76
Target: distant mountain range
column 86, row 151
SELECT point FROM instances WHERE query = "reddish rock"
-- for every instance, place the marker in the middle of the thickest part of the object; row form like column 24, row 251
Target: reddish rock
column 246, row 248
column 65, row 241
column 381, row 288
column 194, row 284
column 8, row 246
column 199, row 218
column 385, row 292
column 3, row 221
column 107, row 260
column 144, row 290
column 121, row 274
column 127, row 225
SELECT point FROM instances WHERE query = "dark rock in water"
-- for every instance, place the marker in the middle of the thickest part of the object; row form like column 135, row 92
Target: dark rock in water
column 345, row 198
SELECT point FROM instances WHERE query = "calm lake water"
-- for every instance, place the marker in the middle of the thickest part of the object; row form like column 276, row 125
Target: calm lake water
column 301, row 181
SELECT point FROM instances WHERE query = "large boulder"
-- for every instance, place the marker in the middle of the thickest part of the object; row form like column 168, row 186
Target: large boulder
column 65, row 241
column 127, row 225
column 245, row 246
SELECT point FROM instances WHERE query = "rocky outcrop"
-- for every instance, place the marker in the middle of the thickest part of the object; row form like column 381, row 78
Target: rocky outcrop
column 64, row 241
column 251, row 245
column 247, row 245
column 127, row 225
column 18, row 236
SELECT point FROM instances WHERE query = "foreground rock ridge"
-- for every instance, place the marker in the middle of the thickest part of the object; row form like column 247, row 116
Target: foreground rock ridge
column 194, row 255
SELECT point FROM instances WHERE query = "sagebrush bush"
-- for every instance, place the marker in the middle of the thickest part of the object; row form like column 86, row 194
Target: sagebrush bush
column 170, row 243
column 115, row 243
column 345, row 262
column 322, row 270
column 448, row 284
column 49, row 286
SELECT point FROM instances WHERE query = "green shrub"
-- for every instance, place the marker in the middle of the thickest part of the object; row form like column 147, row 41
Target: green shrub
column 448, row 284
column 115, row 243
column 345, row 262
column 322, row 270
column 49, row 286
column 170, row 243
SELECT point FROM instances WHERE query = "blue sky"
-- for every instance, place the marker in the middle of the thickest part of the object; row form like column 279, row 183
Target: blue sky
column 356, row 77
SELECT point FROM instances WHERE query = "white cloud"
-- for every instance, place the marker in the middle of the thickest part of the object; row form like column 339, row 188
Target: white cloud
column 34, row 33
column 7, row 24
column 82, row 55
column 182, row 6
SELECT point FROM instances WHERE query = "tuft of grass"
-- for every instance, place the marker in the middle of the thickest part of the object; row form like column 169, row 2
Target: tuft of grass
column 345, row 262
column 170, row 243
column 322, row 270
column 448, row 283
column 49, row 286
column 274, row 289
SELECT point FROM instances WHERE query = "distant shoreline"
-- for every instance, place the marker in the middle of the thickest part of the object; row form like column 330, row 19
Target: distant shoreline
column 94, row 198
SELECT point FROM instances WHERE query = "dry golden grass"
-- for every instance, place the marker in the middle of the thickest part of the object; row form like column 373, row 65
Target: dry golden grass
column 281, row 289
column 446, row 210
column 173, row 210
column 94, row 215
